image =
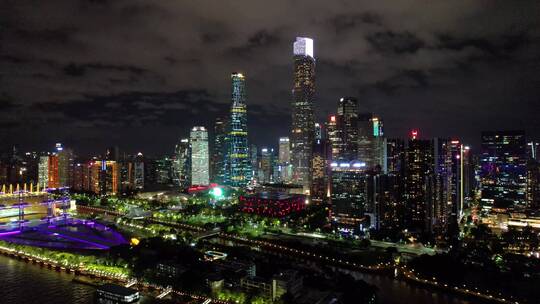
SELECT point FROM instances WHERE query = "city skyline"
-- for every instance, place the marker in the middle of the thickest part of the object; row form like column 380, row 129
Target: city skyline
column 414, row 74
column 282, row 152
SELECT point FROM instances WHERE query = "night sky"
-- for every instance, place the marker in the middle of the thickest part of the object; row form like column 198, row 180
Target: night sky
column 139, row 74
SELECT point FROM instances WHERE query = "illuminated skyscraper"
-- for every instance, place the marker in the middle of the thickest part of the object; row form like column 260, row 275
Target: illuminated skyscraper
column 181, row 163
column 446, row 204
column 43, row 171
column 334, row 138
column 220, row 156
column 240, row 167
column 284, row 150
column 302, row 131
column 65, row 166
column 138, row 179
column 347, row 123
column 366, row 139
column 418, row 176
column 199, row 156
column 319, row 169
column 503, row 163
column 266, row 170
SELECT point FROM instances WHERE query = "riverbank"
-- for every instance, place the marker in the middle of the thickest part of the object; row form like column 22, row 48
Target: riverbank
column 78, row 270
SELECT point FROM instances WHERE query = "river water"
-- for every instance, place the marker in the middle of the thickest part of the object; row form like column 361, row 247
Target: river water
column 21, row 282
column 27, row 283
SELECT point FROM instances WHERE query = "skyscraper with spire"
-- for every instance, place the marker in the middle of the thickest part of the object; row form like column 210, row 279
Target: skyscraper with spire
column 303, row 124
column 239, row 158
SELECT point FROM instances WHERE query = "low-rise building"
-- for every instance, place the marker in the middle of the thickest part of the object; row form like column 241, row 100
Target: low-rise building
column 116, row 294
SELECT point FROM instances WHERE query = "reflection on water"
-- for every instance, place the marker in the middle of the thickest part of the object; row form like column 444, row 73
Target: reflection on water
column 26, row 283
column 396, row 292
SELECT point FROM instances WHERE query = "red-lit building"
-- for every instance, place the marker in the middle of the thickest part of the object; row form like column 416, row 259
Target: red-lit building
column 272, row 204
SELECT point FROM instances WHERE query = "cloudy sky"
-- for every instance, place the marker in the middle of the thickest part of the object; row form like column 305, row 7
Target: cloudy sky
column 140, row 73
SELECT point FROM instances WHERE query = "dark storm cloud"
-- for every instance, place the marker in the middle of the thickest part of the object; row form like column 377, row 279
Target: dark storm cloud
column 77, row 70
column 493, row 49
column 138, row 72
column 391, row 42
column 344, row 22
column 133, row 109
column 404, row 80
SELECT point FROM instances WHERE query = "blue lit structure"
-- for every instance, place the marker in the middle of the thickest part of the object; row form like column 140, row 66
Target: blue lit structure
column 240, row 164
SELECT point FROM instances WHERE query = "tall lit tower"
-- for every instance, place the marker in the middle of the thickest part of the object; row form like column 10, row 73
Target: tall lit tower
column 347, row 115
column 199, row 156
column 302, row 131
column 284, row 150
column 240, row 163
column 220, row 150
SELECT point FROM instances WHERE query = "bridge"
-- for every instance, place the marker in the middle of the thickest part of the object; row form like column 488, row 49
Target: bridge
column 131, row 282
column 165, row 292
column 207, row 234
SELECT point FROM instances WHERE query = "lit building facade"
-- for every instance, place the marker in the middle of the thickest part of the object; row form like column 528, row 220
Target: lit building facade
column 334, row 138
column 284, row 150
column 43, row 171
column 503, row 164
column 418, row 183
column 266, row 167
column 366, row 140
column 65, row 166
column 349, row 196
column 182, row 164
column 284, row 169
column 220, row 159
column 347, row 123
column 319, row 168
column 139, row 172
column 199, row 156
column 533, row 184
column 302, row 130
column 239, row 160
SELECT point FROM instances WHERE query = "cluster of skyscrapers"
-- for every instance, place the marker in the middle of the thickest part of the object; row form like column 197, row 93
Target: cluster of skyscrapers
column 369, row 181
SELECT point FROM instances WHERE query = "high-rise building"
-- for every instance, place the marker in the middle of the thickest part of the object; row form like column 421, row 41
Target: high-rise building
column 533, row 147
column 334, row 138
column 347, row 123
column 348, row 196
column 387, row 190
column 254, row 159
column 533, row 184
column 163, row 168
column 447, row 196
column 503, row 163
column 108, row 177
column 302, row 131
column 318, row 131
column 240, row 171
column 65, row 166
column 319, row 169
column 220, row 159
column 182, row 164
column 395, row 157
column 139, row 172
column 199, row 156
column 266, row 170
column 283, row 172
column 284, row 150
column 43, row 171
column 366, row 139
column 53, row 179
column 418, row 183
column 126, row 175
